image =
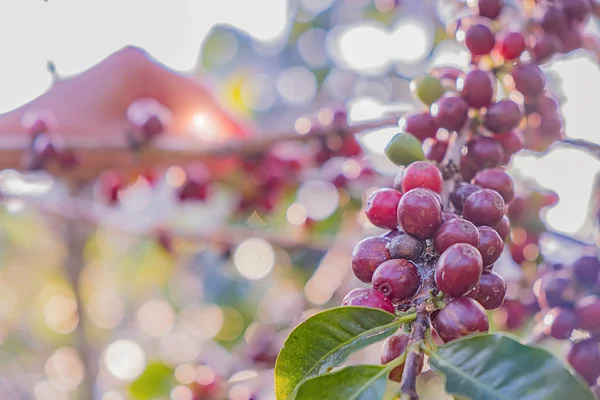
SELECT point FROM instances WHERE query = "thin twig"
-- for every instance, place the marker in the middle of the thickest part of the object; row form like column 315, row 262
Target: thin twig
column 591, row 147
column 414, row 358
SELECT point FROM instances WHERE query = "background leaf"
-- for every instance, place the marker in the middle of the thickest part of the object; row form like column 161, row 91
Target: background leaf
column 496, row 367
column 325, row 340
column 358, row 382
column 155, row 382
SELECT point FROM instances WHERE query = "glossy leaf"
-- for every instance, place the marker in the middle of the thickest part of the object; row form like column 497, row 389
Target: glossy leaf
column 496, row 367
column 325, row 340
column 404, row 149
column 358, row 382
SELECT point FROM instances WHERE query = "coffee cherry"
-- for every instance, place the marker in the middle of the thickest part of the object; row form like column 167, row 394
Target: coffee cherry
column 398, row 279
column 422, row 174
column 490, row 8
column 427, row 88
column 512, row 142
column 404, row 148
column 490, row 245
column 586, row 269
column 368, row 254
column 545, row 47
column 575, row 10
column 448, row 216
column 419, row 213
column 496, row 179
column 587, row 311
column 450, row 112
column 503, row 227
column 398, row 181
column 382, row 208
column 492, row 290
column 553, row 20
column 484, row 152
column 461, row 317
column 484, row 207
column 392, row 348
column 502, row 116
column 554, row 292
column 570, row 40
column 457, row 230
column 458, row 269
column 406, row 247
column 437, row 151
column 479, row 39
column 363, row 297
column 477, row 88
column 584, row 357
column 563, row 323
column 462, row 191
column 511, row 45
column 529, row 79
column 421, row 125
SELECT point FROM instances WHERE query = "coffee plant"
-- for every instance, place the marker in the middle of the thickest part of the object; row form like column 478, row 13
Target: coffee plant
column 431, row 275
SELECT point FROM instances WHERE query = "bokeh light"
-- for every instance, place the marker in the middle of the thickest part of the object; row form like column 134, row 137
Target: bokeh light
column 156, row 318
column 124, row 359
column 319, row 198
column 254, row 258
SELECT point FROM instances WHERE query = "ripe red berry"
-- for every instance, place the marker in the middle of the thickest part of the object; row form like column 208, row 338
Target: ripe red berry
column 460, row 194
column 458, row 269
column 586, row 269
column 436, row 150
column 456, row 230
column 448, row 216
column 553, row 291
column 422, row 174
column 368, row 254
column 392, row 348
column 490, row 245
column 575, row 10
column 406, row 247
column 421, row 125
column 398, row 279
column 497, row 179
column 382, row 208
column 484, row 152
column 363, row 297
column 502, row 116
column 587, row 311
column 484, row 207
column 490, row 8
column 553, row 19
column 584, row 357
column 450, row 112
column 545, row 47
column 491, row 290
column 419, row 213
column 477, row 88
column 479, row 39
column 563, row 322
column 529, row 79
column 511, row 142
column 461, row 317
column 503, row 227
column 511, row 45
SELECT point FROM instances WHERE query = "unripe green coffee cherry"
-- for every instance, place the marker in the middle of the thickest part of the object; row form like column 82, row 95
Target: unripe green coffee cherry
column 427, row 89
column 404, row 149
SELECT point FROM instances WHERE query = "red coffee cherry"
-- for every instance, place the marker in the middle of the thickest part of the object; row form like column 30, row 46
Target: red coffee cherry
column 587, row 311
column 419, row 213
column 422, row 174
column 503, row 227
column 436, row 151
column 529, row 79
column 484, row 207
column 491, row 290
column 398, row 279
column 584, row 357
column 490, row 8
column 497, row 179
column 421, row 125
column 456, row 230
column 458, row 269
column 382, row 208
column 461, row 317
column 563, row 323
column 586, row 269
column 479, row 39
column 392, row 348
column 477, row 88
column 502, row 116
column 450, row 112
column 484, row 152
column 368, row 254
column 460, row 194
column 363, row 297
column 512, row 45
column 490, row 246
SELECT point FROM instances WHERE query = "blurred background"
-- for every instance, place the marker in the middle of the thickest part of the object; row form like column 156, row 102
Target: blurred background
column 206, row 321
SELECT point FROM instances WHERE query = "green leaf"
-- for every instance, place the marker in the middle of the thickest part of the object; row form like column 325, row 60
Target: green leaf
column 496, row 367
column 155, row 382
column 404, row 149
column 358, row 382
column 325, row 340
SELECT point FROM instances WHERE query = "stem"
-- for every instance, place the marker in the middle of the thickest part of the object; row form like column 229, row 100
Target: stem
column 537, row 335
column 75, row 237
column 591, row 147
column 451, row 163
column 414, row 358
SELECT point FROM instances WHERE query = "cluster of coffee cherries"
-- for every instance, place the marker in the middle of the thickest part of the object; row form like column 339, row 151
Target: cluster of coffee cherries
column 569, row 297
